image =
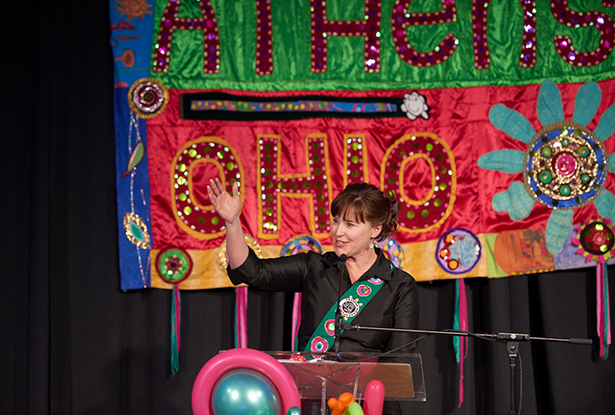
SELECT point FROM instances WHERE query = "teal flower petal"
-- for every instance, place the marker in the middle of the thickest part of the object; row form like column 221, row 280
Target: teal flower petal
column 606, row 126
column 506, row 161
column 512, row 123
column 586, row 103
column 612, row 163
column 549, row 104
column 605, row 204
column 516, row 201
column 558, row 229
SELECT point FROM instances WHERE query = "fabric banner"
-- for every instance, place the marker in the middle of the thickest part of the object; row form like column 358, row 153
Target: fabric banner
column 492, row 123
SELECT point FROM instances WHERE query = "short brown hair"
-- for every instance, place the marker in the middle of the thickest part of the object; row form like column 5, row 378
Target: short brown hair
column 369, row 204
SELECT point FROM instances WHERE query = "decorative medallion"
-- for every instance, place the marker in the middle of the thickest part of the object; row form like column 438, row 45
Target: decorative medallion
column 458, row 251
column 595, row 240
column 319, row 345
column 349, row 307
column 173, row 264
column 363, row 290
column 393, row 251
column 565, row 166
column 301, row 243
column 148, row 98
column 375, row 280
column 330, row 327
column 136, row 230
column 252, row 243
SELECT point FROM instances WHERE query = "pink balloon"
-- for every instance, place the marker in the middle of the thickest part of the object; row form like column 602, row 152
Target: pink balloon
column 242, row 359
column 374, row 398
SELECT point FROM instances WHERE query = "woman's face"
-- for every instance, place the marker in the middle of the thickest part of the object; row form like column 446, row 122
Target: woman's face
column 352, row 237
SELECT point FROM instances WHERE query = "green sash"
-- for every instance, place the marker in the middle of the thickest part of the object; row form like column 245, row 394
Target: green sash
column 351, row 304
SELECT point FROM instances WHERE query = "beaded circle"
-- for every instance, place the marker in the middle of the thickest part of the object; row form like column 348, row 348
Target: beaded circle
column 565, row 166
column 173, row 264
column 148, row 98
column 393, row 251
column 252, row 243
column 136, row 230
column 458, row 251
column 301, row 243
column 597, row 238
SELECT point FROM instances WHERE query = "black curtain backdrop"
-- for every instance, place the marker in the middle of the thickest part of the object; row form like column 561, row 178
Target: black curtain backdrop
column 73, row 343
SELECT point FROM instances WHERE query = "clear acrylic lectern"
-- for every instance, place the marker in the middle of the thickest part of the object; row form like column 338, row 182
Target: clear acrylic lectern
column 328, row 375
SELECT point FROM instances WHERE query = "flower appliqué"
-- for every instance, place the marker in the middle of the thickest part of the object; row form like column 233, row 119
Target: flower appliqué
column 565, row 165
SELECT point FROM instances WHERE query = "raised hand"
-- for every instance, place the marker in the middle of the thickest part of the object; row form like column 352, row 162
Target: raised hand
column 227, row 206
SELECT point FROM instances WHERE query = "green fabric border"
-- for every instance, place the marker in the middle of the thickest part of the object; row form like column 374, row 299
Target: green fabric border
column 291, row 49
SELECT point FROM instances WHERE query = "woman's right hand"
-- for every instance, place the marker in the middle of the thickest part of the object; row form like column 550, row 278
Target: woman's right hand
column 227, row 206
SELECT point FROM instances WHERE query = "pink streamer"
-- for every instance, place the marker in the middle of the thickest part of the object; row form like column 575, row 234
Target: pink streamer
column 463, row 326
column 600, row 306
column 295, row 319
column 241, row 301
column 178, row 317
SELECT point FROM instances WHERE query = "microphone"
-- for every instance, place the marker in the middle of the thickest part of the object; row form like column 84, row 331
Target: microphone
column 338, row 314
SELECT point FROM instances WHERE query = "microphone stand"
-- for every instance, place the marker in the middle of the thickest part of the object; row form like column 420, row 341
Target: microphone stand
column 338, row 313
column 512, row 346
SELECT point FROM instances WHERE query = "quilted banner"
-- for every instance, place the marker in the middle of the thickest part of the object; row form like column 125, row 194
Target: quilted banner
column 492, row 122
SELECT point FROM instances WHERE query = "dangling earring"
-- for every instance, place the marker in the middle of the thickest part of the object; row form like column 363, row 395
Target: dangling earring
column 371, row 244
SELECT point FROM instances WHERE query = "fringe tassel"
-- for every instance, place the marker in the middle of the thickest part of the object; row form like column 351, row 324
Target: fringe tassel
column 460, row 323
column 294, row 344
column 603, row 310
column 175, row 330
column 241, row 319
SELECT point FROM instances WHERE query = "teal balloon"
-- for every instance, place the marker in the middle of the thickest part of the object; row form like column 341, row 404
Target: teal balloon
column 245, row 392
column 293, row 410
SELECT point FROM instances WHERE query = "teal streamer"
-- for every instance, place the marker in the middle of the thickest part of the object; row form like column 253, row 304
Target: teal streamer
column 612, row 163
column 549, row 104
column 512, row 123
column 506, row 161
column 174, row 334
column 605, row 204
column 586, row 103
column 558, row 229
column 515, row 201
column 456, row 325
column 606, row 126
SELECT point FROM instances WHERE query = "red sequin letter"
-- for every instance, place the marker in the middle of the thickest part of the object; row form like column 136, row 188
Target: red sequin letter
column 217, row 159
column 170, row 22
column 272, row 185
column 563, row 44
column 369, row 29
column 264, row 38
column 400, row 20
column 437, row 202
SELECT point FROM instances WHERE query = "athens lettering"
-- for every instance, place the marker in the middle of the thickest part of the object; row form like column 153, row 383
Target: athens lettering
column 369, row 29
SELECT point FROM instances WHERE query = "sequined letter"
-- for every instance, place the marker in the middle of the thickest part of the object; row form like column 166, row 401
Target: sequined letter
column 369, row 29
column 563, row 43
column 313, row 185
column 400, row 20
column 193, row 165
column 437, row 201
column 170, row 22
